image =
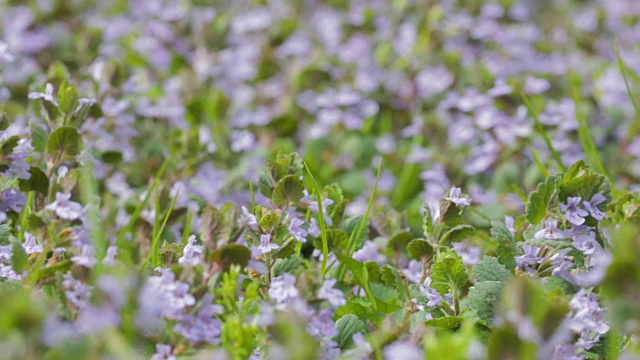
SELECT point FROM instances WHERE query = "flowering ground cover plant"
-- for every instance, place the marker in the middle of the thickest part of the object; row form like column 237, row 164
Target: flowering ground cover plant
column 322, row 179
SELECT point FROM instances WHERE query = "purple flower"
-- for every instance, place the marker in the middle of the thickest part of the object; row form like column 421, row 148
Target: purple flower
column 282, row 289
column 86, row 258
column 12, row 199
column 19, row 167
column 192, row 253
column 163, row 352
column 586, row 242
column 30, row 244
column 535, row 85
column 252, row 222
column 335, row 297
column 455, row 196
column 203, row 327
column 573, row 212
column 470, row 254
column 530, row 258
column 75, row 291
column 402, row 350
column 551, row 231
column 265, row 244
column 592, row 206
column 587, row 315
column 296, row 230
column 163, row 296
column 369, row 252
column 46, row 95
column 322, row 324
column 65, row 209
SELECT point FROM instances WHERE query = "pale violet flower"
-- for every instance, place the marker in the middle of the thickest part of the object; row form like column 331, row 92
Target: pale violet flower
column 551, row 231
column 369, row 252
column 265, row 244
column 46, row 95
column 282, row 289
column 592, row 206
column 335, row 297
column 297, row 231
column 64, row 208
column 456, row 198
column 573, row 212
column 192, row 253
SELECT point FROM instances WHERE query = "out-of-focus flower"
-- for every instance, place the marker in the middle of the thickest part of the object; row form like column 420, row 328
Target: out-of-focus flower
column 369, row 252
column 335, row 297
column 163, row 352
column 64, row 208
column 192, row 253
column 402, row 350
column 283, row 288
column 47, row 95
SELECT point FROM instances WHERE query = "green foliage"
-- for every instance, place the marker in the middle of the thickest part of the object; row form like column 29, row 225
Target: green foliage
column 64, row 140
column 539, row 200
column 347, row 326
column 231, row 254
column 448, row 274
column 489, row 269
column 506, row 247
column 288, row 265
column 483, row 297
column 288, row 190
column 419, row 249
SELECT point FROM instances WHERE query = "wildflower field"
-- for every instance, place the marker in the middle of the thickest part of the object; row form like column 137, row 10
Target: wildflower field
column 309, row 179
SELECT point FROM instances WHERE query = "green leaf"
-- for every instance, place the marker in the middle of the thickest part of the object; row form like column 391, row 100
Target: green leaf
column 111, row 157
column 214, row 228
column 483, row 297
column 360, row 307
column 539, row 200
column 337, row 240
column 626, row 208
column 553, row 283
column 419, row 249
column 231, row 254
column 67, row 97
column 386, row 299
column 398, row 243
column 347, row 326
column 427, row 222
column 9, row 144
column 4, row 119
column 489, row 269
column 449, row 274
column 65, row 139
column 37, row 182
column 506, row 247
column 19, row 259
column 38, row 137
column 5, row 232
column 391, row 277
column 289, row 189
column 457, row 233
column 288, row 265
column 445, row 322
column 504, row 343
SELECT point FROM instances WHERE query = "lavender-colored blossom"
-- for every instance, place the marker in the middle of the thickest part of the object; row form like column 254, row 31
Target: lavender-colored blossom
column 573, row 212
column 535, row 85
column 19, row 167
column 369, row 252
column 402, row 350
column 470, row 254
column 529, row 259
column 64, row 208
column 163, row 296
column 252, row 222
column 592, row 206
column 86, row 258
column 30, row 244
column 297, row 231
column 322, row 324
column 456, row 198
column 47, row 95
column 551, row 231
column 92, row 319
column 192, row 253
column 75, row 291
column 163, row 352
column 586, row 242
column 265, row 244
column 202, row 327
column 282, row 289
column 587, row 315
column 335, row 297
column 414, row 271
column 12, row 199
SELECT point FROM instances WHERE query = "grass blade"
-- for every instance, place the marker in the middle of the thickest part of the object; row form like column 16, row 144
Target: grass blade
column 153, row 252
column 323, row 232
